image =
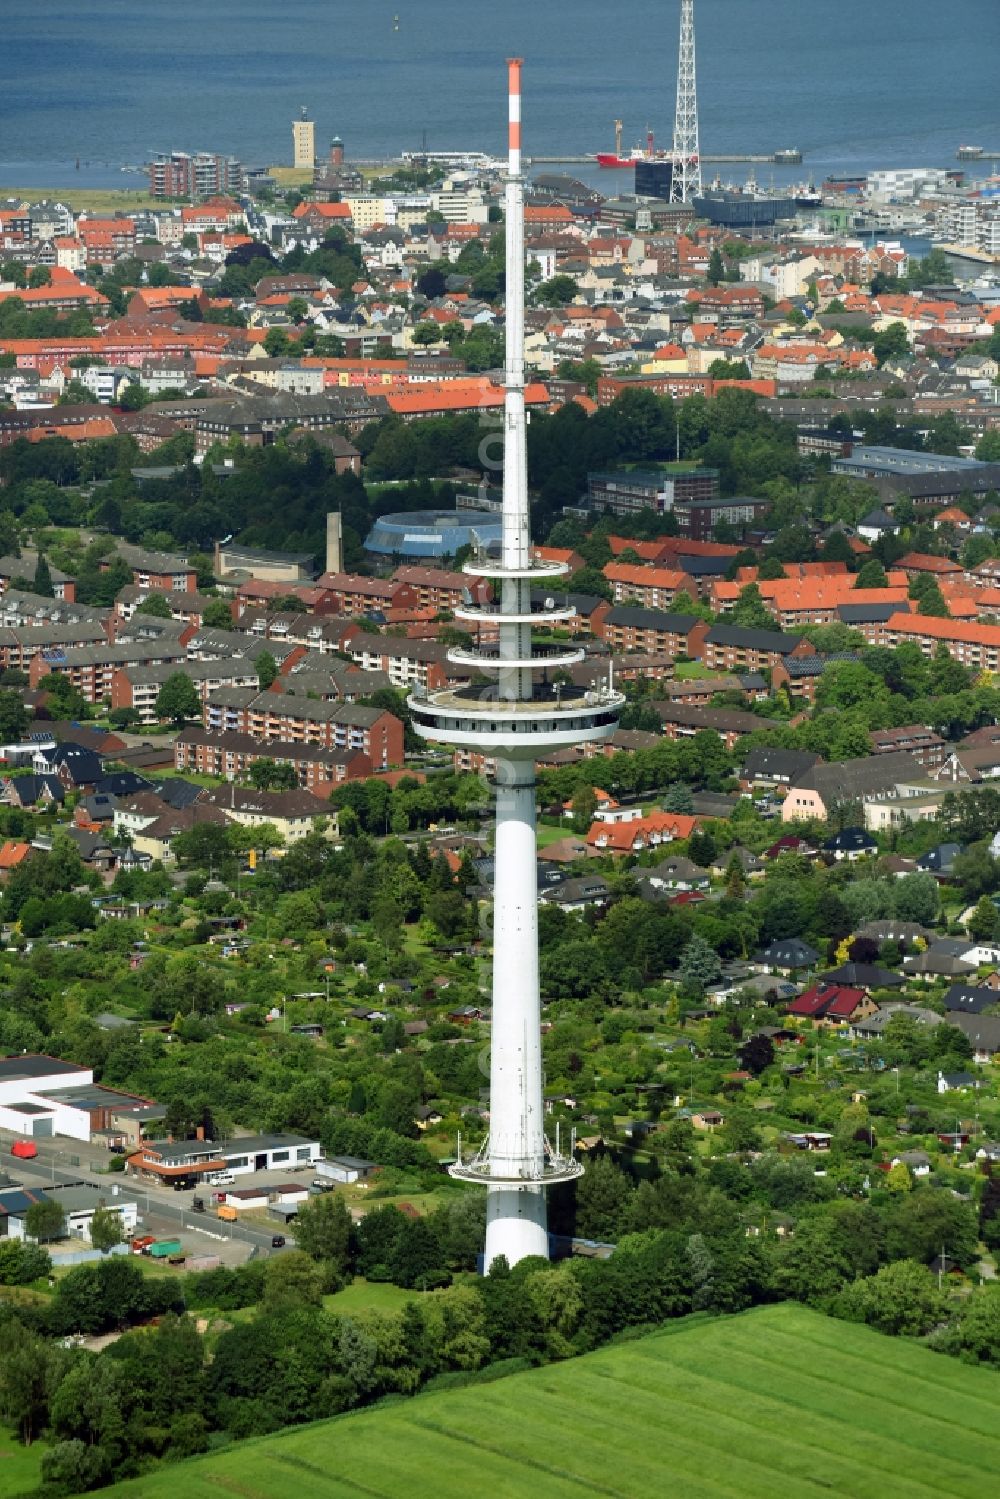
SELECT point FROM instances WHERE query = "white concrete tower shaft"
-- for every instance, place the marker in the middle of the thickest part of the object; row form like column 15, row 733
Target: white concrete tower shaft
column 525, row 714
column 686, row 183
column 515, row 639
column 515, row 1216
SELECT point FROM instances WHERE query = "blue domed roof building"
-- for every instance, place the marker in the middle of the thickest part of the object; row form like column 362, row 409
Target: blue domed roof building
column 431, row 535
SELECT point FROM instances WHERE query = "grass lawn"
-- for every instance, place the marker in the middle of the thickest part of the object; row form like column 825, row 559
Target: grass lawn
column 547, row 835
column 100, row 199
column 695, row 671
column 369, row 1296
column 20, row 1467
column 779, row 1402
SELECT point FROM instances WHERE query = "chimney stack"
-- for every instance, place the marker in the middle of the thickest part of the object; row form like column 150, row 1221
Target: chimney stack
column 334, row 542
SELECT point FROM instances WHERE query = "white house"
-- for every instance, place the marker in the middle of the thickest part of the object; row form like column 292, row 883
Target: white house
column 78, row 1202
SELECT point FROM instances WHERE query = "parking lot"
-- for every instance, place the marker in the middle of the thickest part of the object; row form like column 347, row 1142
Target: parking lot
column 161, row 1210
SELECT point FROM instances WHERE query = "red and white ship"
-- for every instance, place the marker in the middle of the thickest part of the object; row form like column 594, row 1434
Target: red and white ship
column 616, row 158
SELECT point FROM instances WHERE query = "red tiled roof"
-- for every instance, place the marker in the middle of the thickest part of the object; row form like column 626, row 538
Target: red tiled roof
column 926, row 563
column 827, row 999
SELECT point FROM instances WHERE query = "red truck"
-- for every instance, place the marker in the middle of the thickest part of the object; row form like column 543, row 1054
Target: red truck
column 25, row 1150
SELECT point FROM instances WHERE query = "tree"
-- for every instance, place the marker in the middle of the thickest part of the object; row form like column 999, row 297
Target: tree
column 45, row 1220
column 178, row 698
column 156, row 606
column 557, row 291
column 43, row 578
column 14, row 717
column 678, row 797
column 432, row 283
column 28, row 1373
column 218, row 616
column 982, row 924
column 750, row 610
column 900, row 1299
column 106, row 1228
column 699, row 966
column 916, row 898
column 277, row 342
column 63, row 699
column 267, row 670
column 323, row 1231
column 292, row 1281
column 583, row 805
column 871, row 574
column 603, row 1196
column 268, row 775
column 716, row 267
column 418, row 1259
column 926, row 592
column 891, row 342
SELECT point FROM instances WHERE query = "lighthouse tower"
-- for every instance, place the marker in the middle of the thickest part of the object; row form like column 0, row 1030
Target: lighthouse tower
column 520, row 715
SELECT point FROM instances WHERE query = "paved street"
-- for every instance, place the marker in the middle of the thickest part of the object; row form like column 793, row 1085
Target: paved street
column 161, row 1210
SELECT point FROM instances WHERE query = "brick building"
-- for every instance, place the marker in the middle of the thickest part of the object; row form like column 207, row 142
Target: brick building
column 698, row 517
column 650, row 587
column 231, row 755
column 926, row 747
column 270, row 716
column 734, row 648
column 653, row 632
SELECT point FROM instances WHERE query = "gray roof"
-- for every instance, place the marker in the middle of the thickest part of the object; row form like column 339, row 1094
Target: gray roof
column 848, row 779
column 632, row 617
column 773, row 641
column 970, row 999
column 982, row 1030
column 773, row 763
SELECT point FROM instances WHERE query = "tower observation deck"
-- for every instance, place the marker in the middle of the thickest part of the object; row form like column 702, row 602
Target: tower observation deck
column 512, row 720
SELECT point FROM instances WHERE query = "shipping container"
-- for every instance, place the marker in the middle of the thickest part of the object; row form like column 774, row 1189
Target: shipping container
column 163, row 1248
column 226, row 1212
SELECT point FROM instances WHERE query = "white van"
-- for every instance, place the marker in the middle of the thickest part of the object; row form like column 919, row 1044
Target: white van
column 221, row 1179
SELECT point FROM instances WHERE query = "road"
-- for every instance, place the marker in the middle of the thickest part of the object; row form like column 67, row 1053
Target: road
column 161, row 1210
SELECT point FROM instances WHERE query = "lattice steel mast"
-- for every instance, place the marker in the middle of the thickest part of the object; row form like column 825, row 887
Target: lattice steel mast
column 686, row 183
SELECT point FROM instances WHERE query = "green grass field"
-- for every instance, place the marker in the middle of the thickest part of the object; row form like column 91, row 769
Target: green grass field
column 97, row 199
column 20, row 1467
column 369, row 1296
column 779, row 1402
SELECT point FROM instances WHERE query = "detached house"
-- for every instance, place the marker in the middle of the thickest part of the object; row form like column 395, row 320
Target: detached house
column 642, row 833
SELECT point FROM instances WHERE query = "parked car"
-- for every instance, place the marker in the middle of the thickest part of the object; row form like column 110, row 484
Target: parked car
column 320, row 1184
column 277, row 1241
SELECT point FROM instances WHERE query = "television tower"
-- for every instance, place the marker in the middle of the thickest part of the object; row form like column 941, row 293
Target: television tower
column 686, row 182
column 512, row 721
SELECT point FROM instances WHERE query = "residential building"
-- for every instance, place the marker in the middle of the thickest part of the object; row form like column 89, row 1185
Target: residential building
column 231, row 755
column 818, row 790
column 629, row 491
column 627, row 628
column 698, row 518
column 926, row 747
column 736, row 648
